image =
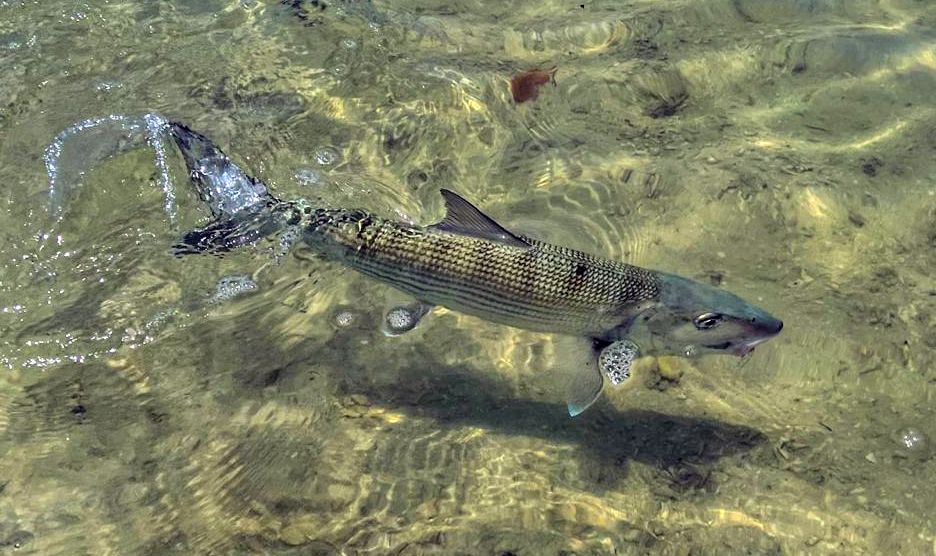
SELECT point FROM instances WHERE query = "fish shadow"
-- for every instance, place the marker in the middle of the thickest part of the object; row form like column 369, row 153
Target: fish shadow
column 682, row 449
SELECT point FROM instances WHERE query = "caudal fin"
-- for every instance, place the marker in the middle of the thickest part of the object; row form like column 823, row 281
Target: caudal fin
column 222, row 185
column 242, row 208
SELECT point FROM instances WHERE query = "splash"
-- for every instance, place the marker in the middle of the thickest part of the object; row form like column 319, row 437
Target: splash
column 230, row 287
column 75, row 151
column 156, row 129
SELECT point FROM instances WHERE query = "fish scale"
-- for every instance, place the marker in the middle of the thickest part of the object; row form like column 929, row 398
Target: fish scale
column 541, row 287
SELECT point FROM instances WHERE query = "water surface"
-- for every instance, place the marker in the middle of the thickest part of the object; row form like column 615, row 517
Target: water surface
column 783, row 149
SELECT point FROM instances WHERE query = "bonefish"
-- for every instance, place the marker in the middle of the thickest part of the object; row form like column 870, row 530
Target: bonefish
column 469, row 263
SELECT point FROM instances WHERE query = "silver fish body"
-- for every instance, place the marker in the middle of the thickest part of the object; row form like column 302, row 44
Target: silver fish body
column 470, row 264
column 537, row 286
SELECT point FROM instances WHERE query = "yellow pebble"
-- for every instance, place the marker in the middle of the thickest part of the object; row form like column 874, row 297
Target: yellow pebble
column 671, row 368
column 643, row 366
column 293, row 535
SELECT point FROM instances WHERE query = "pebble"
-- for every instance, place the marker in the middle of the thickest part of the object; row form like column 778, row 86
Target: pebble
column 359, row 399
column 632, row 534
column 293, row 535
column 671, row 368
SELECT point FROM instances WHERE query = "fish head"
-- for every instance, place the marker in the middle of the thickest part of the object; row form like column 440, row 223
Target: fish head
column 691, row 318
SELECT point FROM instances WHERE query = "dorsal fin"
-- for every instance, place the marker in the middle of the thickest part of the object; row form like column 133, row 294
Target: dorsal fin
column 461, row 217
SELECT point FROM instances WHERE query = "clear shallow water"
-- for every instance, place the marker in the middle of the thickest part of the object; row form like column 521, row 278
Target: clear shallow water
column 783, row 148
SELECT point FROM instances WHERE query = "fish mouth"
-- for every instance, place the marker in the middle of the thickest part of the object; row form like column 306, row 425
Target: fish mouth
column 768, row 330
column 740, row 349
column 744, row 349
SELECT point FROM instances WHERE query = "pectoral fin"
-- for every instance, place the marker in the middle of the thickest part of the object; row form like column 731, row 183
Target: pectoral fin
column 576, row 372
column 585, row 390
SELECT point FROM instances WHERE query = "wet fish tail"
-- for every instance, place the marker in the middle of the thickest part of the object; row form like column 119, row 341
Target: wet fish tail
column 219, row 182
column 242, row 208
column 225, row 234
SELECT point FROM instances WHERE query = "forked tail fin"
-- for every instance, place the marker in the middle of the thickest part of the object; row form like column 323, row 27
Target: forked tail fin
column 242, row 208
column 220, row 183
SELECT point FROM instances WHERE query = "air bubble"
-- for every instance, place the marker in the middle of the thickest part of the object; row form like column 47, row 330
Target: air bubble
column 230, row 287
column 913, row 440
column 344, row 319
column 400, row 319
column 308, row 177
column 615, row 361
column 326, row 156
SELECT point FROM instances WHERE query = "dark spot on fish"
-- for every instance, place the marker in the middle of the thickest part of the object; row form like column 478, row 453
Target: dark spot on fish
column 580, row 269
column 363, row 228
column 79, row 410
column 526, row 86
column 798, row 68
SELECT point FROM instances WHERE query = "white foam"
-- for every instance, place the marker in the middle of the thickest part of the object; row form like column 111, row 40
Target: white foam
column 156, row 130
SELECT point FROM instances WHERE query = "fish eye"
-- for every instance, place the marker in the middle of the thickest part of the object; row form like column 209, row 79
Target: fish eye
column 707, row 321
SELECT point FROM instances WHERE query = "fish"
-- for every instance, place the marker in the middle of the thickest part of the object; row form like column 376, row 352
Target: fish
column 471, row 264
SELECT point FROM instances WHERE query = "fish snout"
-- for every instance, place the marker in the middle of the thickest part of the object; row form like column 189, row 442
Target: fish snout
column 770, row 325
column 764, row 328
